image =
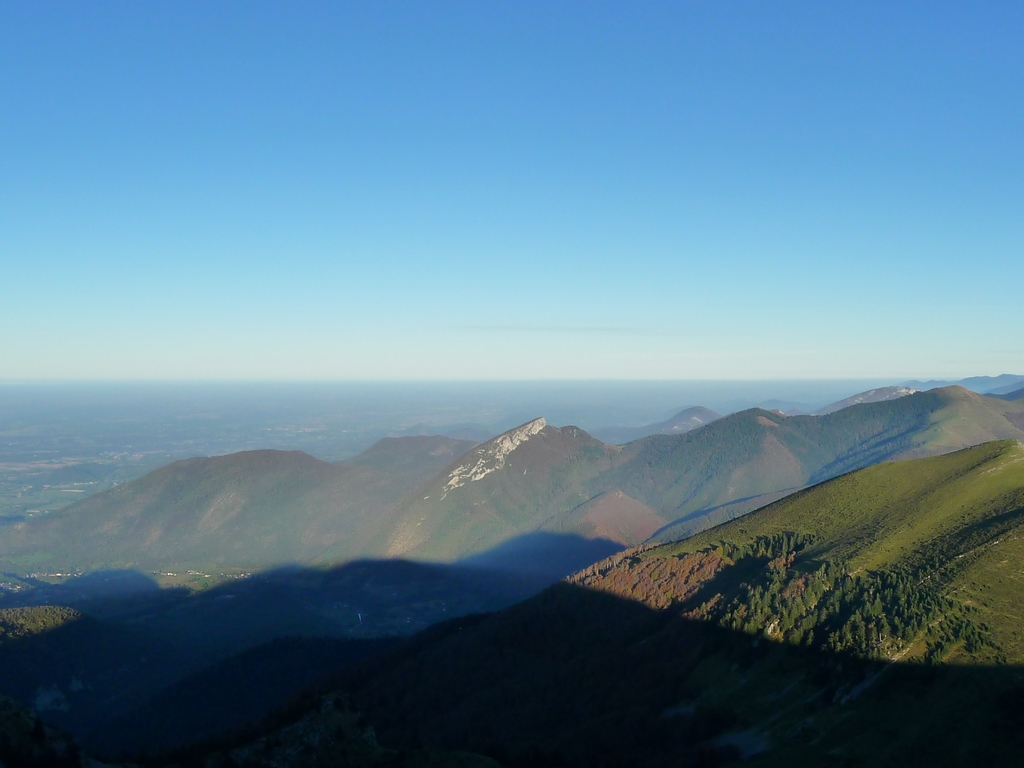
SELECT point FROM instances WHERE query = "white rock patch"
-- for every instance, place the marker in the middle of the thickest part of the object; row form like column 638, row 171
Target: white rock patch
column 490, row 457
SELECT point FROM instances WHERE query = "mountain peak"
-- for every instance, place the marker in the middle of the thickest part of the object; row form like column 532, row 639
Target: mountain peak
column 958, row 392
column 491, row 456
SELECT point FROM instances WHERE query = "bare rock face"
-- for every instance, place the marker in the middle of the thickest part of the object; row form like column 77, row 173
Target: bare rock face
column 491, row 456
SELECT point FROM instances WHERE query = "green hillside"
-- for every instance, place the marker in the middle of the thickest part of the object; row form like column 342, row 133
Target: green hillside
column 870, row 620
column 952, row 520
column 752, row 453
column 249, row 509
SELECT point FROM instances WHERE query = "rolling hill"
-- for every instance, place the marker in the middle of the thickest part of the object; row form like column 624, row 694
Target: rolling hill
column 870, row 620
column 255, row 508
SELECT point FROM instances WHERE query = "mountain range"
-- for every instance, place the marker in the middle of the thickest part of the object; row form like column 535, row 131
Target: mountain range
column 552, row 479
column 417, row 497
column 997, row 385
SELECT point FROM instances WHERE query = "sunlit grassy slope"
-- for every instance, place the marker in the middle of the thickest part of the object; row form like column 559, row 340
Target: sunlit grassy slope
column 884, row 515
column 958, row 518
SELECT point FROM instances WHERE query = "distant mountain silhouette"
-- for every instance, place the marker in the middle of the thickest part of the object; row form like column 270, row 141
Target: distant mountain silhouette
column 687, row 419
column 878, row 395
column 981, row 384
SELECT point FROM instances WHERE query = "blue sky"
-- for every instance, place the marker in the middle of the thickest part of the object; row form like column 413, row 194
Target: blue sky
column 511, row 190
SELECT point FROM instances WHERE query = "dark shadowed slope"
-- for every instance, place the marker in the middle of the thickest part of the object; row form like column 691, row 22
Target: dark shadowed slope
column 226, row 695
column 112, row 670
column 248, row 509
column 26, row 742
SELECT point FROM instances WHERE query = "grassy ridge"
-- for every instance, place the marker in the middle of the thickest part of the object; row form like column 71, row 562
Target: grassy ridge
column 886, row 514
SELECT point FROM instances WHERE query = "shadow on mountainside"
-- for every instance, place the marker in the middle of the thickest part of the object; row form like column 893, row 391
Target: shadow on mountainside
column 125, row 665
column 576, row 677
column 543, row 555
column 97, row 585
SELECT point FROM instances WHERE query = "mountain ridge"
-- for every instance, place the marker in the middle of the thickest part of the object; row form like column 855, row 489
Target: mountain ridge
column 749, row 455
column 870, row 396
column 979, row 384
column 686, row 419
column 426, row 498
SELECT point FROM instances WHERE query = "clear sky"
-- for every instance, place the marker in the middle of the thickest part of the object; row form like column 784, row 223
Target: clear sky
column 491, row 190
